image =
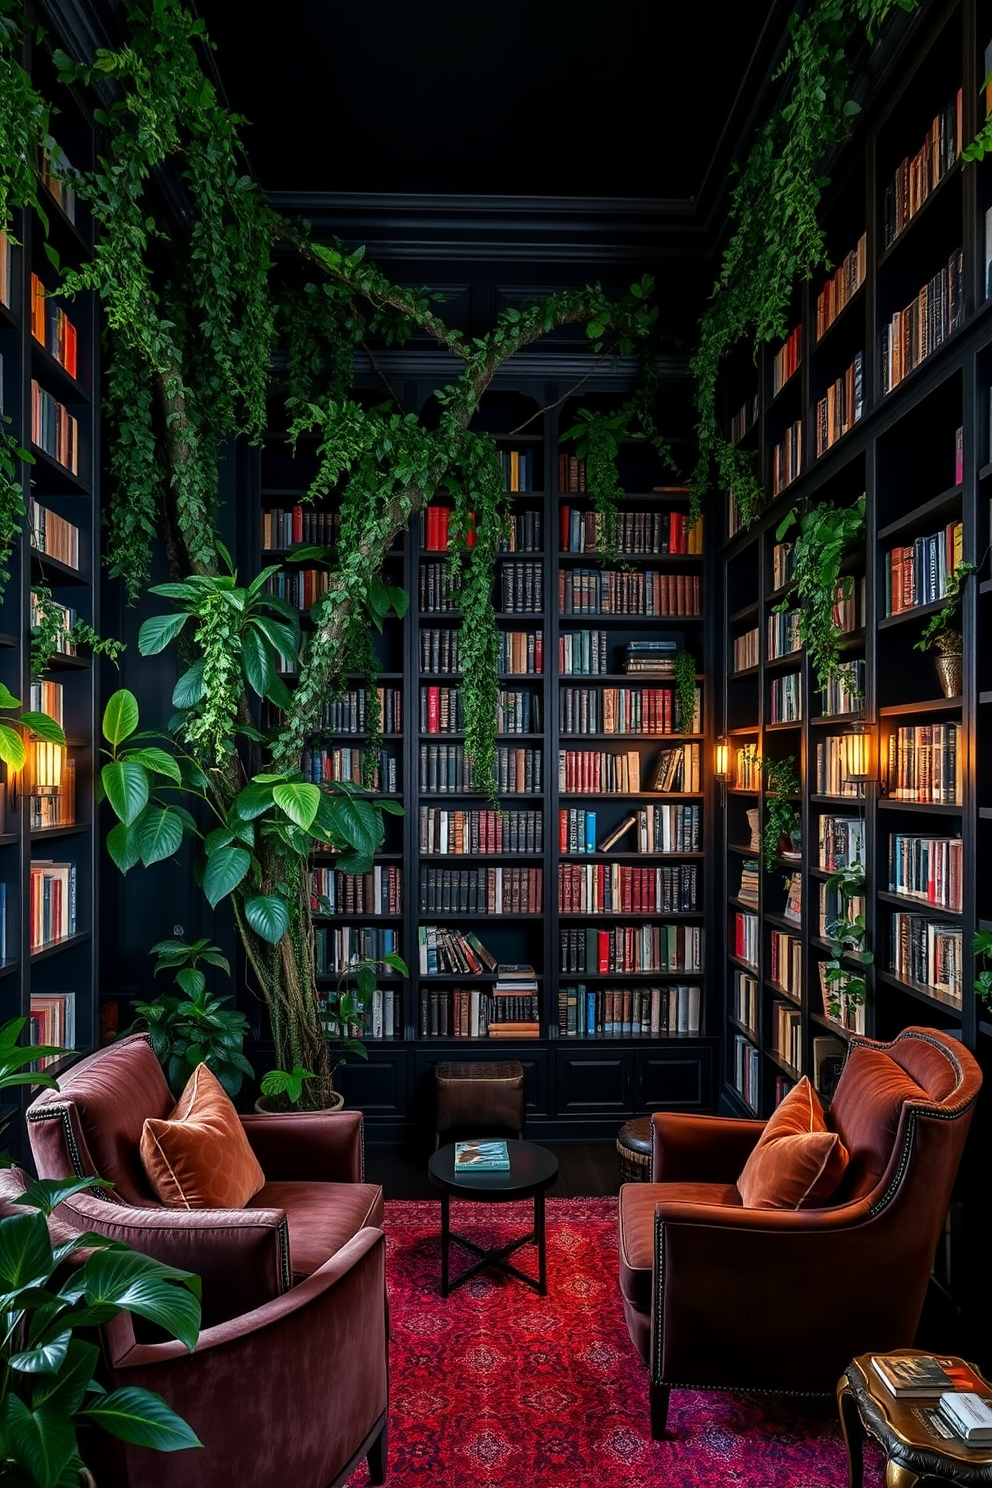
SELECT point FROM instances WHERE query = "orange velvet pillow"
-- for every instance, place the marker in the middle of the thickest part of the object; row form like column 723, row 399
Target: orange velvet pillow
column 797, row 1162
column 199, row 1157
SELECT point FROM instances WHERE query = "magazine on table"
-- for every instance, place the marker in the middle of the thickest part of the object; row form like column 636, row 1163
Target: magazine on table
column 479, row 1156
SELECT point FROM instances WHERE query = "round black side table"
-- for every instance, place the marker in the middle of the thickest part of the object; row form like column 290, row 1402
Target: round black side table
column 532, row 1171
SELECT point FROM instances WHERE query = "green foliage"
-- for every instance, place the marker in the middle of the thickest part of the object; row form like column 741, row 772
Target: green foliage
column 685, row 690
column 776, row 241
column 53, row 1298
column 24, row 119
column 288, row 1083
column 827, row 535
column 13, row 750
column 195, row 1028
column 49, row 634
column 846, row 938
column 938, row 633
column 981, row 947
column 11, row 493
column 781, row 819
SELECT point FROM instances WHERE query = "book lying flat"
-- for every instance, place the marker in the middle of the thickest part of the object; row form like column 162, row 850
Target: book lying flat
column 912, row 1376
column 477, row 1155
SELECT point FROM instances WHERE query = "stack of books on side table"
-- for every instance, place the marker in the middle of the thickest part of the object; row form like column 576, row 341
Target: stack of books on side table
column 960, row 1407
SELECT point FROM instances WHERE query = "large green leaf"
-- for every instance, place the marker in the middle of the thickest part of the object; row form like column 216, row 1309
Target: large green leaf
column 41, row 1440
column 44, row 727
column 46, row 1358
column 143, row 1418
column 356, row 823
column 159, row 834
column 156, row 632
column 281, row 634
column 13, row 751
column 253, row 801
column 160, row 1293
column 126, row 785
column 122, row 845
column 120, row 717
column 25, row 1251
column 190, row 688
column 158, row 761
column 299, row 800
column 256, row 659
column 7, row 698
column 268, row 916
column 224, row 871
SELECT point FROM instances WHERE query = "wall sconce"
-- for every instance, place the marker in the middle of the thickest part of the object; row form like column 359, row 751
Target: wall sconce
column 47, row 760
column 721, row 758
column 859, row 751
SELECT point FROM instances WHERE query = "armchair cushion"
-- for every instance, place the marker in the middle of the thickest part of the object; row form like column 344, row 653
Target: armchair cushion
column 638, row 1202
column 198, row 1157
column 867, row 1108
column 796, row 1162
column 321, row 1217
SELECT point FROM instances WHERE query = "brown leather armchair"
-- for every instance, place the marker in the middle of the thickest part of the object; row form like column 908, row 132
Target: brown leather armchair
column 313, row 1202
column 717, row 1296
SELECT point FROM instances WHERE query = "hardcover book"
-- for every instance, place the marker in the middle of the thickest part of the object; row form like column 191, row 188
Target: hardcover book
column 481, row 1156
column 912, row 1376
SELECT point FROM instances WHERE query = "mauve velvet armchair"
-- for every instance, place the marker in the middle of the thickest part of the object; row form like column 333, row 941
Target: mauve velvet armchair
column 717, row 1296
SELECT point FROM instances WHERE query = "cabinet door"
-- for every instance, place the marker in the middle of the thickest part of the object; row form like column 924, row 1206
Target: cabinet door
column 599, row 1084
column 376, row 1086
column 674, row 1079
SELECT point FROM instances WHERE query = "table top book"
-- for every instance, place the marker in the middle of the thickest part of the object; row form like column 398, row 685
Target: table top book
column 913, row 1376
column 479, row 1156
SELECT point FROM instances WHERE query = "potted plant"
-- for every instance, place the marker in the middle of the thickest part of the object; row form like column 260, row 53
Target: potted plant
column 941, row 636
column 281, row 1089
column 196, row 1027
column 781, row 835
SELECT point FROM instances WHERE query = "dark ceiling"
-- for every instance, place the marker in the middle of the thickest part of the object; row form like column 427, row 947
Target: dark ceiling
column 576, row 98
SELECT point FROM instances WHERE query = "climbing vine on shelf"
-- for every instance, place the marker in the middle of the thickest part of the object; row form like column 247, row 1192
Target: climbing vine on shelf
column 827, row 535
column 845, row 986
column 777, row 241
column 685, row 689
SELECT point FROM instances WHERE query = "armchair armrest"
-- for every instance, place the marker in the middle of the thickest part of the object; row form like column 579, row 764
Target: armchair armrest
column 241, row 1255
column 700, row 1149
column 308, row 1146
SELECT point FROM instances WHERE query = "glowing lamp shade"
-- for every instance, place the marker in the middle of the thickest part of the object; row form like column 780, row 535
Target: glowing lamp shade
column 721, row 758
column 859, row 751
column 46, row 767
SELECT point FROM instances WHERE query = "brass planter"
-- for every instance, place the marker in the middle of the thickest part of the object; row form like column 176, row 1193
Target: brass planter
column 949, row 674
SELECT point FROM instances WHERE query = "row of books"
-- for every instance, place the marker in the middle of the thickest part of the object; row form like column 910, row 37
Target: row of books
column 841, row 842
column 444, row 769
column 785, row 963
column 443, row 951
column 927, row 951
column 483, row 831
column 657, row 829
column 53, row 428
column 59, row 808
column 496, row 891
column 523, row 532
column 841, row 406
column 53, row 535
column 52, row 327
column 593, row 591
column 380, row 1015
column 629, row 1012
column 341, row 948
column 787, row 1034
column 438, row 588
column 51, row 902
column 746, row 936
column 300, row 587
column 787, row 359
column 927, row 868
column 783, row 633
column 282, row 527
column 437, row 530
column 612, row 888
column 344, row 763
column 624, row 710
column 518, row 711
column 745, row 1072
column 845, row 1013
column 476, row 1012
column 377, row 892
column 521, row 587
column 925, row 763
column 47, row 697
column 787, row 457
column 747, row 768
column 783, row 564
column 842, row 285
column 571, row 472
column 935, row 313
column 581, row 531
column 441, row 710
column 630, row 949
column 831, row 768
column 745, row 1003
column 57, row 176
column 916, row 176
column 837, row 909
column 583, row 653
column 518, row 468
column 350, row 713
column 62, row 617
column 919, row 572
column 785, row 698
column 845, row 691
column 52, row 1022
column 598, row 772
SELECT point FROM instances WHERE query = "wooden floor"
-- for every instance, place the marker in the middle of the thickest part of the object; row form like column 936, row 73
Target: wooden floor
column 585, row 1170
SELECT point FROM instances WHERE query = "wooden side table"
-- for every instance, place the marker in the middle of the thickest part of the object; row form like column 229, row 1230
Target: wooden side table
column 915, row 1452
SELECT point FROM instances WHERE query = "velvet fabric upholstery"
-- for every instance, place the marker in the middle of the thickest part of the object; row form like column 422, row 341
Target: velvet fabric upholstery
column 245, row 1257
column 796, row 1161
column 717, row 1295
column 291, row 1393
column 198, row 1157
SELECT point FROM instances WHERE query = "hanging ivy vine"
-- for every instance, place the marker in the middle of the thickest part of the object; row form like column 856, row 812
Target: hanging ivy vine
column 827, row 534
column 777, row 241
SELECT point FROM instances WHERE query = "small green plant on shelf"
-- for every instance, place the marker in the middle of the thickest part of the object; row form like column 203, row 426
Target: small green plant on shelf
column 981, row 946
column 827, row 535
column 685, row 689
column 782, row 821
column 845, row 988
column 196, row 1027
column 939, row 634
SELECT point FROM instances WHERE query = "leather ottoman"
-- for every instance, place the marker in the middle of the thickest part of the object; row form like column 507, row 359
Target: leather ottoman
column 478, row 1098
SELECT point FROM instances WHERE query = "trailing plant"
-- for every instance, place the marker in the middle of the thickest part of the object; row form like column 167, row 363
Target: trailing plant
column 50, row 634
column 981, row 949
column 938, row 633
column 845, row 988
column 777, row 241
column 53, row 1297
column 781, row 819
column 685, row 689
column 11, row 496
column 827, row 535
column 194, row 1028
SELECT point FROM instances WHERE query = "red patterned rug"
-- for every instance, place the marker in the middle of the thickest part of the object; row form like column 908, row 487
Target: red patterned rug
column 496, row 1387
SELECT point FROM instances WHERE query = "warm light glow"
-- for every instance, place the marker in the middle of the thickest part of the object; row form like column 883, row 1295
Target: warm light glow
column 46, row 772
column 721, row 758
column 858, row 754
